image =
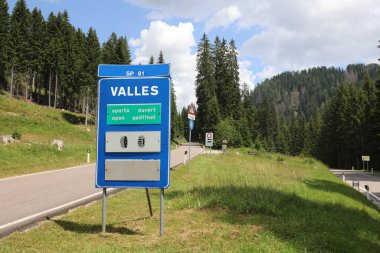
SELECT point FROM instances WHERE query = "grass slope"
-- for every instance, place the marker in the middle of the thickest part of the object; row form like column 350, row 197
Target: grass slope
column 38, row 126
column 229, row 203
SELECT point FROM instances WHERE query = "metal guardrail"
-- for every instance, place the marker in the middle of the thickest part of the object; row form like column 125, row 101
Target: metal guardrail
column 360, row 189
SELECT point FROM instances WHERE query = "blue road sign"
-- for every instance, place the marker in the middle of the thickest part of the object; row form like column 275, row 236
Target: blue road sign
column 140, row 71
column 133, row 132
column 191, row 124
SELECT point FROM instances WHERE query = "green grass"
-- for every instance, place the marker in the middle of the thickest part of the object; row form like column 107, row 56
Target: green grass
column 38, row 126
column 229, row 203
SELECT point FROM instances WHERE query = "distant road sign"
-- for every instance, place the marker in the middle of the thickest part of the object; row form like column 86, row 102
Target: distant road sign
column 209, row 140
column 140, row 71
column 191, row 111
column 365, row 158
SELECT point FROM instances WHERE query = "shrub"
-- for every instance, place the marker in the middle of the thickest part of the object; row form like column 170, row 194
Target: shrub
column 16, row 135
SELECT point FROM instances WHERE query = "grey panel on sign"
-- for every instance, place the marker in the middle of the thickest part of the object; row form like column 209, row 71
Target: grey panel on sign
column 148, row 141
column 132, row 170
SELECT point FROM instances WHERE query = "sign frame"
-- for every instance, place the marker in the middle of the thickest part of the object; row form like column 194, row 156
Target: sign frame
column 209, row 140
column 137, row 71
column 106, row 97
column 366, row 158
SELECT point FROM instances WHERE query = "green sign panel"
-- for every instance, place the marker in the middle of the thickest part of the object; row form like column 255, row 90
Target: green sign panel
column 134, row 114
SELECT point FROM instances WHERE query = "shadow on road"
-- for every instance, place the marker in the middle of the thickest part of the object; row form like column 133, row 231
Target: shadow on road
column 93, row 228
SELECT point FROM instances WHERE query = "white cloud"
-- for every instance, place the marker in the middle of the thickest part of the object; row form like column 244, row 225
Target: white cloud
column 176, row 43
column 295, row 34
column 315, row 33
column 224, row 17
column 246, row 75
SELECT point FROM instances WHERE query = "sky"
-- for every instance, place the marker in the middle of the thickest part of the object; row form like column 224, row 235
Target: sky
column 271, row 36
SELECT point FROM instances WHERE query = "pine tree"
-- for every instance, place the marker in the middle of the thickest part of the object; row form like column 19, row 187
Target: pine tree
column 93, row 55
column 122, row 51
column 38, row 45
column 79, row 76
column 208, row 110
column 108, row 53
column 160, row 59
column 220, row 62
column 4, row 42
column 185, row 122
column 19, row 43
column 267, row 125
column 151, row 60
column 233, row 81
column 52, row 50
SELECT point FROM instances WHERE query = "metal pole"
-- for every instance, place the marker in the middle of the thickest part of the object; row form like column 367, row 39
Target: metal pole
column 162, row 213
column 149, row 204
column 104, row 210
column 189, row 148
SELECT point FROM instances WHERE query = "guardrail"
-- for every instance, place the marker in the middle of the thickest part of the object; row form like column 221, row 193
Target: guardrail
column 370, row 195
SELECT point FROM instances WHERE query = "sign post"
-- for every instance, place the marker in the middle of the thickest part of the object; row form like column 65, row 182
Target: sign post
column 366, row 158
column 191, row 117
column 133, row 136
column 209, row 140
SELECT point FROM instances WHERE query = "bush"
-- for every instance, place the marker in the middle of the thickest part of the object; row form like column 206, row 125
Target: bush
column 227, row 130
column 16, row 135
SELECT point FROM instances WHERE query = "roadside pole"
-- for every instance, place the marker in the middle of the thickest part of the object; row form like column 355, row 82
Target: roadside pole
column 189, row 147
column 162, row 212
column 104, row 210
column 191, row 117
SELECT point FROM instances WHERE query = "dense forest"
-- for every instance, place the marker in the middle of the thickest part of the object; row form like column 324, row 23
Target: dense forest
column 328, row 113
column 332, row 114
column 52, row 63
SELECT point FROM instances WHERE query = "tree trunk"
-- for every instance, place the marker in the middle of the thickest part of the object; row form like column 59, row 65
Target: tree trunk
column 12, row 77
column 38, row 89
column 26, row 85
column 86, row 108
column 84, row 104
column 49, row 87
column 56, row 89
column 33, row 86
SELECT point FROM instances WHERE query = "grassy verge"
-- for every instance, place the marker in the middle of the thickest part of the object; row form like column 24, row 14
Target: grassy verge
column 38, row 126
column 229, row 203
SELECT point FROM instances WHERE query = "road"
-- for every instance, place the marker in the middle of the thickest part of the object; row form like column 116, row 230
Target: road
column 364, row 178
column 30, row 198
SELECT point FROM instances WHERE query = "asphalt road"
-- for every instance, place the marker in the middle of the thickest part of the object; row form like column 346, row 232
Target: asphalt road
column 30, row 198
column 364, row 178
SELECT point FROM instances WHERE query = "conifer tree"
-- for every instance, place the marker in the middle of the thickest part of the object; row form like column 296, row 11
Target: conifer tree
column 4, row 42
column 208, row 110
column 52, row 50
column 174, row 128
column 220, row 62
column 233, row 82
column 185, row 122
column 79, row 76
column 267, row 125
column 19, row 43
column 38, row 46
column 108, row 53
column 160, row 59
column 122, row 51
column 151, row 60
column 92, row 61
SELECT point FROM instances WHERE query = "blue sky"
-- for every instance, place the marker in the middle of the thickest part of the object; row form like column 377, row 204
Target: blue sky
column 271, row 35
